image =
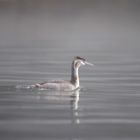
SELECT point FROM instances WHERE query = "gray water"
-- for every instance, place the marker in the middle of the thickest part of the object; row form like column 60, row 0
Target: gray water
column 108, row 105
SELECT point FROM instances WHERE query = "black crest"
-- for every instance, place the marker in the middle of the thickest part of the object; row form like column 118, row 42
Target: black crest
column 77, row 57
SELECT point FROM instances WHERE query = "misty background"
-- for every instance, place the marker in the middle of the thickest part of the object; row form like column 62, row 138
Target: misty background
column 22, row 20
column 74, row 27
column 38, row 40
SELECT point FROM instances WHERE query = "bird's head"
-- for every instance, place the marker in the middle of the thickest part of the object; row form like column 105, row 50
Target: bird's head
column 79, row 61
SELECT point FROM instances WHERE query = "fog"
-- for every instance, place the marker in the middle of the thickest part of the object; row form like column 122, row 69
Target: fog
column 22, row 20
column 38, row 41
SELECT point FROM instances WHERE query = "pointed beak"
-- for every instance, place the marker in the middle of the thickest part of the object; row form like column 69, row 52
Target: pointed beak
column 87, row 63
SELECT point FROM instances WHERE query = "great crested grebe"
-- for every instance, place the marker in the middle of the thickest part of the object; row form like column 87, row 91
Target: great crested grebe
column 70, row 85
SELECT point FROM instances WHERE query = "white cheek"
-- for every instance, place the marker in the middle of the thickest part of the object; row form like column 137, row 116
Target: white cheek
column 82, row 63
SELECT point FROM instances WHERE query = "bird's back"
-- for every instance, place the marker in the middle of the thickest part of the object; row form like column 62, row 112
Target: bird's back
column 57, row 85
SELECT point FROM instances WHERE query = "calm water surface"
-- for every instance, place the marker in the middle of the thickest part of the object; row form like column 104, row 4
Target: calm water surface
column 39, row 39
column 107, row 106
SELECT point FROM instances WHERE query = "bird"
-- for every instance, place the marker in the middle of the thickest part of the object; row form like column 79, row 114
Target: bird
column 66, row 85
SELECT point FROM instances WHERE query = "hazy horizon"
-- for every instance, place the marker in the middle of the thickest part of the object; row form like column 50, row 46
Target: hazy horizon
column 23, row 20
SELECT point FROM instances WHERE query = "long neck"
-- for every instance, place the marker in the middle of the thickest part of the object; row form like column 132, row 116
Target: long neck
column 75, row 76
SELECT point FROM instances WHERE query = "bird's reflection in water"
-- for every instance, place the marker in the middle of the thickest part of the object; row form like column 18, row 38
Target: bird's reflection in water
column 75, row 107
column 72, row 98
column 75, row 100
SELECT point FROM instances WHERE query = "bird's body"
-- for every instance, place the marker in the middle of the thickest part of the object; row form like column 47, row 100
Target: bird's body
column 58, row 85
column 63, row 85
